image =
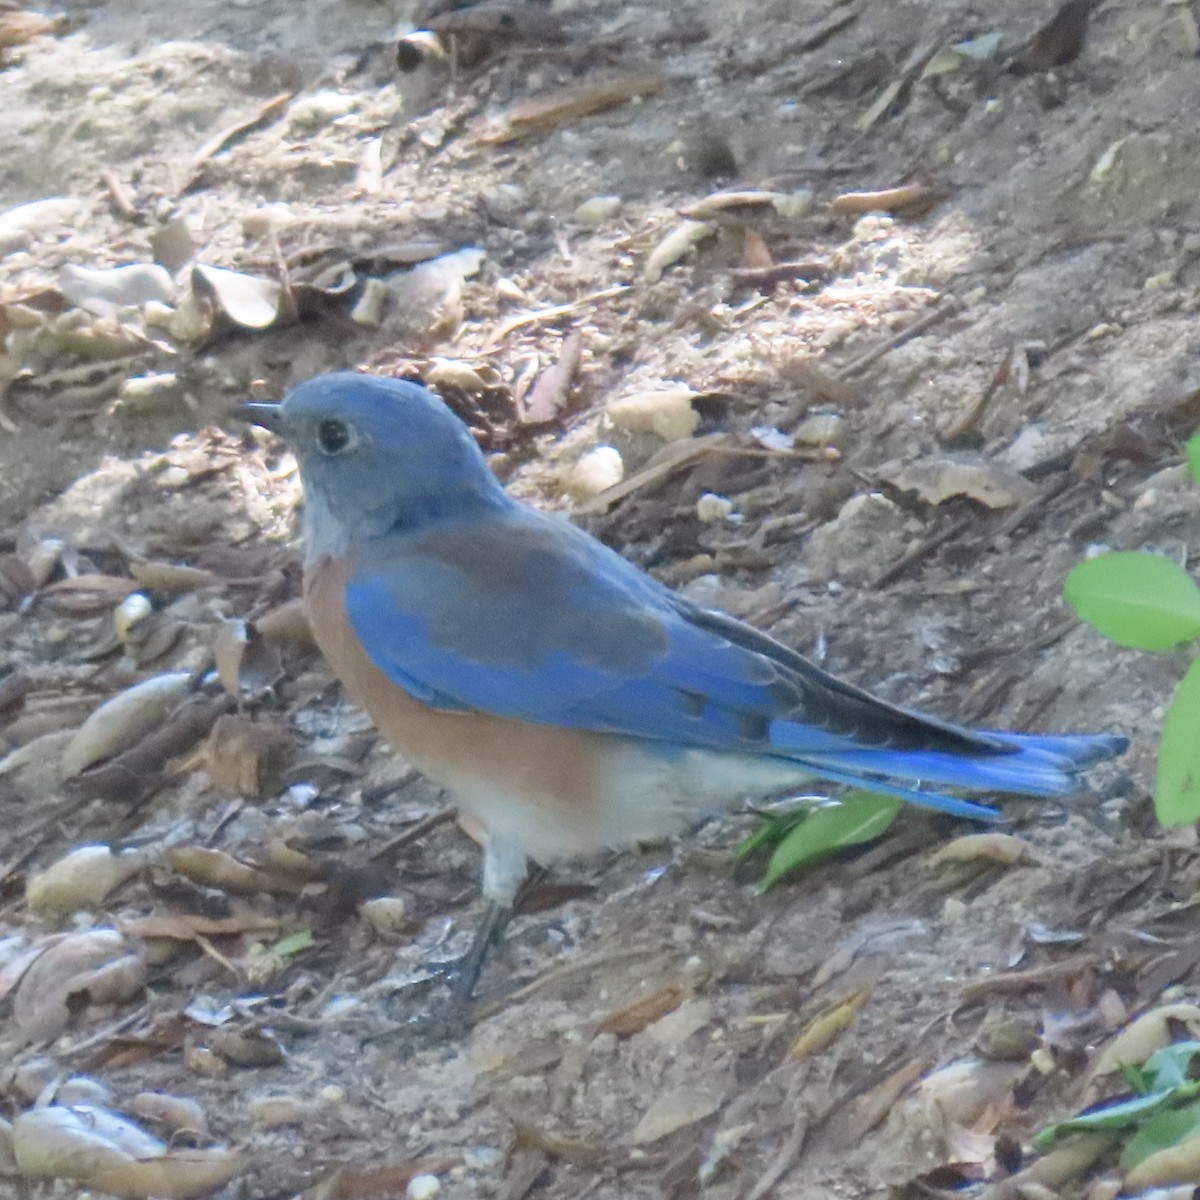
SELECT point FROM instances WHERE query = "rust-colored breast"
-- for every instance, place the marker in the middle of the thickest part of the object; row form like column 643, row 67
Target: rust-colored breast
column 482, row 758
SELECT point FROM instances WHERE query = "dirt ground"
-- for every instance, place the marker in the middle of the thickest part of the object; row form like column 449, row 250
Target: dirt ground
column 920, row 418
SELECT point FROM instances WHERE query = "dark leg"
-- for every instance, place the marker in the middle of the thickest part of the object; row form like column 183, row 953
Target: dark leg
column 465, row 973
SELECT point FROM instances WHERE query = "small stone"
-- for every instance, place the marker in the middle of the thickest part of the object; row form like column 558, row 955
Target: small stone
column 423, row 1187
column 711, row 508
column 595, row 472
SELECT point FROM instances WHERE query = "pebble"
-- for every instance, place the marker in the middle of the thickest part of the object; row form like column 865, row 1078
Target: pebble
column 423, row 1187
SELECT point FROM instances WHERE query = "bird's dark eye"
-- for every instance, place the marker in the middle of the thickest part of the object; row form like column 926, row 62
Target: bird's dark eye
column 333, row 436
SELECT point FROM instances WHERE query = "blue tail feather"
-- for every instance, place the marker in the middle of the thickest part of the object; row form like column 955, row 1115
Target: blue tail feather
column 1035, row 765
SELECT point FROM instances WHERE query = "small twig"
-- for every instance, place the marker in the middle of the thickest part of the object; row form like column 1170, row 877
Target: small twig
column 566, row 971
column 118, row 193
column 779, row 1166
column 1013, row 983
column 919, row 326
column 920, row 551
column 442, row 817
column 552, row 314
column 110, row 1031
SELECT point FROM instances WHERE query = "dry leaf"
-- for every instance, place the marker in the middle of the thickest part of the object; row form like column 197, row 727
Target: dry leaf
column 187, row 927
column 245, row 757
column 1003, row 848
column 577, row 1151
column 961, row 1092
column 170, row 578
column 679, row 242
column 553, row 385
column 245, row 663
column 755, row 255
column 383, row 1179
column 176, row 1113
column 90, row 1146
column 910, row 199
column 81, row 879
column 674, row 1110
column 125, row 719
column 87, row 595
column 937, row 480
column 1173, row 1165
column 824, row 1029
column 130, row 776
column 247, row 1047
column 1150, row 1032
column 215, row 868
column 546, row 112
column 634, row 1017
column 287, row 625
column 98, row 966
column 105, row 291
column 249, row 301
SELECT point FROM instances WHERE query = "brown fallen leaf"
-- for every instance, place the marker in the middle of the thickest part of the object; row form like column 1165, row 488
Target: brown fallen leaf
column 577, row 1151
column 124, row 720
column 171, row 578
column 287, row 625
column 856, row 1120
column 755, row 254
column 96, row 967
column 215, row 868
column 1058, row 42
column 517, row 22
column 634, row 1017
column 187, row 927
column 252, row 1047
column 246, row 757
column 86, row 595
column 544, row 113
column 246, row 663
column 910, row 200
column 130, row 776
column 937, row 480
column 380, row 1179
column 553, row 386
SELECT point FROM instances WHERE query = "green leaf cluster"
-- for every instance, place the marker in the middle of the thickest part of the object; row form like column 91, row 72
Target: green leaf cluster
column 1163, row 1109
column 1148, row 602
column 813, row 832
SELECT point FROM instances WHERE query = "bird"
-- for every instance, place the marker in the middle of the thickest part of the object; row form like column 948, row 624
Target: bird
column 566, row 699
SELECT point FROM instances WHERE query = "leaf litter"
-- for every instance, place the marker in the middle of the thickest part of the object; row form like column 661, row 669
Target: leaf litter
column 224, row 225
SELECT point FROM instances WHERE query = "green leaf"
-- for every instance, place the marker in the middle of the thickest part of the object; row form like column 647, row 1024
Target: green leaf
column 1112, row 1116
column 1137, row 599
column 1163, row 1130
column 1170, row 1066
column 858, row 817
column 1193, row 456
column 1177, row 791
column 293, row 943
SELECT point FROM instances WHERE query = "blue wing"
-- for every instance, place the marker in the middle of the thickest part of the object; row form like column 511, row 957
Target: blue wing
column 526, row 617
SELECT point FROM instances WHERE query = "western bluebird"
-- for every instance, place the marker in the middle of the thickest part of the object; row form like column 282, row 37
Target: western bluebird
column 567, row 699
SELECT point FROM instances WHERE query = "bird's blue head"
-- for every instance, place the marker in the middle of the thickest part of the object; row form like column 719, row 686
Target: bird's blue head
column 376, row 455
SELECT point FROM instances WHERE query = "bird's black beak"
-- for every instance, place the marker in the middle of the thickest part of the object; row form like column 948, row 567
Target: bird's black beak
column 259, row 413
